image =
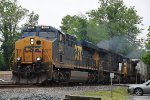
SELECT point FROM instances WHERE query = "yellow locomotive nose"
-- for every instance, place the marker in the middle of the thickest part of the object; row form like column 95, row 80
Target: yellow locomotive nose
column 33, row 49
column 29, row 49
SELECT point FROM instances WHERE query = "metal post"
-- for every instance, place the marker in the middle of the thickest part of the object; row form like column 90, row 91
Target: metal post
column 111, row 76
column 111, row 86
column 120, row 67
column 136, row 76
column 119, row 77
column 98, row 73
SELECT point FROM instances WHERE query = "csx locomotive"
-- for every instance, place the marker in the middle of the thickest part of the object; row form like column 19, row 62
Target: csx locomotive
column 44, row 53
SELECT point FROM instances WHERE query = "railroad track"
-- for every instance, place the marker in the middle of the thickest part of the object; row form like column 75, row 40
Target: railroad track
column 10, row 85
column 16, row 86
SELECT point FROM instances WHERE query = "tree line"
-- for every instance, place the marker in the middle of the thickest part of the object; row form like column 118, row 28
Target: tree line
column 112, row 26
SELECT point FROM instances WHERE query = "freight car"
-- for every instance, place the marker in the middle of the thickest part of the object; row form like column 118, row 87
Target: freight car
column 43, row 54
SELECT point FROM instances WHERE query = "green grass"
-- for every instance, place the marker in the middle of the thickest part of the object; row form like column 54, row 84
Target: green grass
column 118, row 93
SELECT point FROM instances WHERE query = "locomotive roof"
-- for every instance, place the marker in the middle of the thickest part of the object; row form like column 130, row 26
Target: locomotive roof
column 89, row 45
column 38, row 28
column 92, row 46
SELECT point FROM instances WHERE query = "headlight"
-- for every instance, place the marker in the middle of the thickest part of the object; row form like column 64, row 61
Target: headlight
column 18, row 59
column 131, row 87
column 32, row 41
column 38, row 58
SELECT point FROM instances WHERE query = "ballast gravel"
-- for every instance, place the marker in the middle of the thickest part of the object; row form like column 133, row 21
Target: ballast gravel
column 46, row 93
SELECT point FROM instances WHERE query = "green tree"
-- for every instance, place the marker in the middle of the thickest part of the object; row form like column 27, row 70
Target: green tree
column 10, row 16
column 83, row 28
column 75, row 25
column 2, row 64
column 120, row 22
column 96, row 32
column 32, row 19
column 146, row 55
column 118, row 19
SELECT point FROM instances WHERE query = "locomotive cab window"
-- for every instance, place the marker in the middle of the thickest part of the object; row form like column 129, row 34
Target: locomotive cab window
column 27, row 34
column 47, row 35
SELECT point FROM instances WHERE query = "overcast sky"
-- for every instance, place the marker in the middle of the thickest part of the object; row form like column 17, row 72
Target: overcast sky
column 52, row 11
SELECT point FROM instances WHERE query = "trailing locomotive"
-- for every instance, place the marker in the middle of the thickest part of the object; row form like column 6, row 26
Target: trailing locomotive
column 43, row 54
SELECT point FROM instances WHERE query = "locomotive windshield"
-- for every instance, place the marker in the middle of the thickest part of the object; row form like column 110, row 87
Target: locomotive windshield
column 48, row 35
column 27, row 34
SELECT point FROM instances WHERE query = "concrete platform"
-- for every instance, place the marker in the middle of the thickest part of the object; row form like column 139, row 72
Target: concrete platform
column 6, row 75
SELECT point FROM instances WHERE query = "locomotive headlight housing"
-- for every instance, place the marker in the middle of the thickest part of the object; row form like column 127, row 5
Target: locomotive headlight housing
column 38, row 59
column 32, row 41
column 19, row 59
